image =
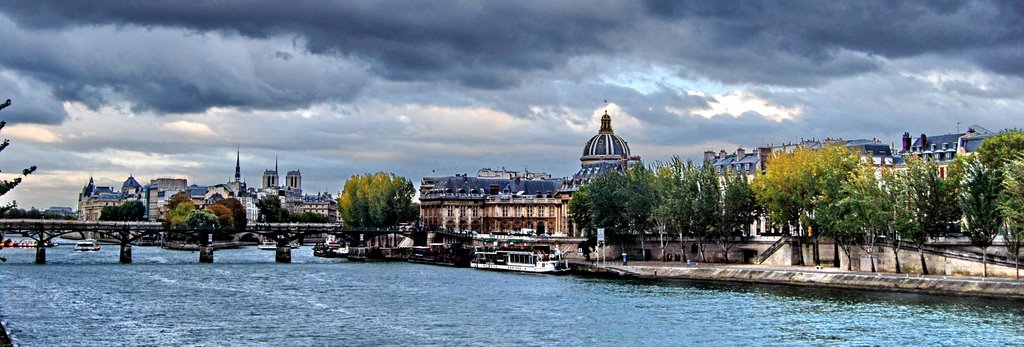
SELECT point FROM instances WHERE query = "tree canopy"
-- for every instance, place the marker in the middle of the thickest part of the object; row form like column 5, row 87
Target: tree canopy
column 377, row 200
column 8, row 185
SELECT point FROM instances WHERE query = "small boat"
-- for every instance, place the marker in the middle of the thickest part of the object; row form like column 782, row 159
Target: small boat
column 87, row 245
column 268, row 245
column 328, row 250
column 536, row 260
column 271, row 245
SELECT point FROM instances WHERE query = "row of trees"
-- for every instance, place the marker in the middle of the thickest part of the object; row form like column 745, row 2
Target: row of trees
column 826, row 192
column 33, row 213
column 377, row 200
column 676, row 197
column 133, row 211
column 224, row 214
column 271, row 211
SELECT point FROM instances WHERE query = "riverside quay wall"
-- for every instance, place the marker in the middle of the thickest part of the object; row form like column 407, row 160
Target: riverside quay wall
column 943, row 256
column 996, row 288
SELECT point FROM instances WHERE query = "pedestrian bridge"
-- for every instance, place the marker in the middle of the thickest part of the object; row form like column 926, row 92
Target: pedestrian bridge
column 127, row 233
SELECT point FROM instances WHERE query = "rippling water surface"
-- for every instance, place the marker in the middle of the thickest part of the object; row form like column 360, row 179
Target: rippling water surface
column 244, row 298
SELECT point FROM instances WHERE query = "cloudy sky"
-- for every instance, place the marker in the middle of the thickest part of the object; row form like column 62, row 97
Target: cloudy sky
column 170, row 89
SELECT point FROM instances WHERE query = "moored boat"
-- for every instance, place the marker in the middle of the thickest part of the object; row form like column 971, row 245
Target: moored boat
column 440, row 254
column 87, row 245
column 535, row 260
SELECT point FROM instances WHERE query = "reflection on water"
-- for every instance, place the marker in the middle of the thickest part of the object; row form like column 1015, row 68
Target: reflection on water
column 167, row 298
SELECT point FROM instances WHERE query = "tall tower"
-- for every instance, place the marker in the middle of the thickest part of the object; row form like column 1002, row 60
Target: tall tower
column 238, row 167
column 293, row 180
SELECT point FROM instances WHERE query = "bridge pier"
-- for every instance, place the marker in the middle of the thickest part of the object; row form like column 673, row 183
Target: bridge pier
column 126, row 253
column 40, row 254
column 206, row 254
column 283, row 254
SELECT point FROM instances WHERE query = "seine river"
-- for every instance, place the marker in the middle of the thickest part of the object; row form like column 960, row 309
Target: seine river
column 166, row 298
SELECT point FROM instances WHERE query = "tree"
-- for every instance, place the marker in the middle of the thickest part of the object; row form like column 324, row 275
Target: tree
column 175, row 218
column 133, row 210
column 902, row 213
column 377, row 200
column 111, row 213
column 7, row 185
column 1011, row 205
column 866, row 216
column 271, row 210
column 238, row 214
column 225, row 217
column 640, row 202
column 737, row 211
column 1001, row 148
column 978, row 200
column 933, row 203
column 667, row 211
column 309, row 217
column 202, row 220
column 177, row 199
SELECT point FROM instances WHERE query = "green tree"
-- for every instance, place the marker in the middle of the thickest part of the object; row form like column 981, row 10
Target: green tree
column 133, row 210
column 1011, row 205
column 1001, row 148
column 902, row 213
column 641, row 200
column 866, row 207
column 978, row 200
column 271, row 211
column 377, row 200
column 7, row 185
column 933, row 201
column 111, row 213
column 668, row 210
column 309, row 217
column 175, row 218
column 202, row 220
column 738, row 209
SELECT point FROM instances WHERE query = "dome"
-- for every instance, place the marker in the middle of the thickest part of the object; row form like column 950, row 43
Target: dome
column 605, row 145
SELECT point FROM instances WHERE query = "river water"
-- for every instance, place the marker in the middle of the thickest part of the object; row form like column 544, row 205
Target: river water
column 166, row 298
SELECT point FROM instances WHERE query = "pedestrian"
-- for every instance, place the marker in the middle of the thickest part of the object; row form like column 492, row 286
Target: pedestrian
column 623, row 258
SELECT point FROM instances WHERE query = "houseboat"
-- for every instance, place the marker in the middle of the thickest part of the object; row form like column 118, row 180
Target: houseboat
column 535, row 259
column 440, row 254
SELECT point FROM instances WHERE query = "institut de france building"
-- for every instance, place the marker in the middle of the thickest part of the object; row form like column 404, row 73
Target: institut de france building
column 510, row 201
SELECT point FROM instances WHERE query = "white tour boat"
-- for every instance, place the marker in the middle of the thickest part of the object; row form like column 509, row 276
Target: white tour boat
column 534, row 260
column 271, row 245
column 87, row 245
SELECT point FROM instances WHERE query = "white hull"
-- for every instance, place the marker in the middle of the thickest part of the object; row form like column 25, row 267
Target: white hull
column 541, row 268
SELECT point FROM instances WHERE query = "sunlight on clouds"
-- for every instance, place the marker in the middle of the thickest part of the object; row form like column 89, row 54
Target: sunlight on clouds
column 193, row 128
column 738, row 103
column 32, row 133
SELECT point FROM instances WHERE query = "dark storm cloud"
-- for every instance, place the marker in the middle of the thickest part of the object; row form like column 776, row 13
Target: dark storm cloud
column 486, row 46
column 989, row 32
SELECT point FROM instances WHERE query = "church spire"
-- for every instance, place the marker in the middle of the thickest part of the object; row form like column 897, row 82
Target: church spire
column 238, row 167
column 606, row 124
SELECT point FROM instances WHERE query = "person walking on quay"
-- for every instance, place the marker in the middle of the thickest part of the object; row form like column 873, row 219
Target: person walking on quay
column 623, row 258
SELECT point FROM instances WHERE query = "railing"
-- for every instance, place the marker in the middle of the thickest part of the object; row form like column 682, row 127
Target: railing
column 773, row 248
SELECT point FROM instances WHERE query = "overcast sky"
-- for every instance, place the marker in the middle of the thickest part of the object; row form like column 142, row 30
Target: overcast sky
column 170, row 89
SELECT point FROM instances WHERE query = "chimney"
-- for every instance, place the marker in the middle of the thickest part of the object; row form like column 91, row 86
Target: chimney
column 906, row 142
column 709, row 156
column 762, row 156
column 721, row 154
column 924, row 142
column 740, row 153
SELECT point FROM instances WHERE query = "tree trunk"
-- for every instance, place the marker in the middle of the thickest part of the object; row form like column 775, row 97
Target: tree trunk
column 661, row 237
column 643, row 247
column 817, row 257
column 700, row 250
column 682, row 247
column 984, row 262
column 1016, row 264
column 835, row 253
column 896, row 255
column 849, row 258
column 871, row 257
column 924, row 267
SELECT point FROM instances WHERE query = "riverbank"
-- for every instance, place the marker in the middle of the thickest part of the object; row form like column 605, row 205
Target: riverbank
column 5, row 341
column 813, row 277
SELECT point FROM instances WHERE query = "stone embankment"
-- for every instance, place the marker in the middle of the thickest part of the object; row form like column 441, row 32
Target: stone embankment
column 812, row 277
column 5, row 340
